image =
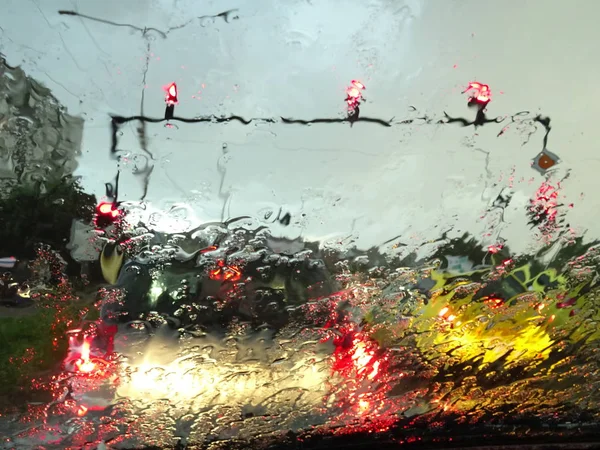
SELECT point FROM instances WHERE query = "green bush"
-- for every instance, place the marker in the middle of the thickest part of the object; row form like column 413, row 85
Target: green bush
column 32, row 340
column 35, row 342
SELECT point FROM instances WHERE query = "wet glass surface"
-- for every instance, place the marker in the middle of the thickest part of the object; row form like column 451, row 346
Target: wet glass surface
column 296, row 225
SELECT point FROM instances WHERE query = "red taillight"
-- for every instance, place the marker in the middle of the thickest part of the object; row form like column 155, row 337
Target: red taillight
column 225, row 272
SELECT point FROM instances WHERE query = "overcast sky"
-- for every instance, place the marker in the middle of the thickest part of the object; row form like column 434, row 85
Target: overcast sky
column 294, row 59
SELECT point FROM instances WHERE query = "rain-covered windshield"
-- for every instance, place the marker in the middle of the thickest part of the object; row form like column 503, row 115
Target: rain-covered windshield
column 297, row 224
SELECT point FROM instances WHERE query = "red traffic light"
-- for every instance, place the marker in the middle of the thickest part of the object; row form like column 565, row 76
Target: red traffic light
column 479, row 93
column 108, row 209
column 171, row 94
column 106, row 214
column 354, row 95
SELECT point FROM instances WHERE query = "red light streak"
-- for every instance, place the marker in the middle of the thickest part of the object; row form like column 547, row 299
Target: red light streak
column 494, row 302
column 356, row 353
column 107, row 334
column 447, row 315
column 84, row 364
column 495, row 248
column 363, row 364
column 544, row 209
column 363, row 405
column 566, row 303
column 225, row 273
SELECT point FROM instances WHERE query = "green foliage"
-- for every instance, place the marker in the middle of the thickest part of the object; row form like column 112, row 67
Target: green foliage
column 29, row 215
column 27, row 346
column 42, row 213
column 21, row 338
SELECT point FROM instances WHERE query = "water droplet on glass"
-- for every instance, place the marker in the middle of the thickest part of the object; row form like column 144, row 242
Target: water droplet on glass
column 205, row 21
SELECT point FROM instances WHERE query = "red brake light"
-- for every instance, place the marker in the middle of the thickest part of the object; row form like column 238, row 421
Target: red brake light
column 225, row 272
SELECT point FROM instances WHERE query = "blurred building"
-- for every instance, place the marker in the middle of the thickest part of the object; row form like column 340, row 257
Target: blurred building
column 39, row 141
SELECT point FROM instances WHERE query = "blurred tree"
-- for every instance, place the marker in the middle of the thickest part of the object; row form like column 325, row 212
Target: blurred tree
column 42, row 213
